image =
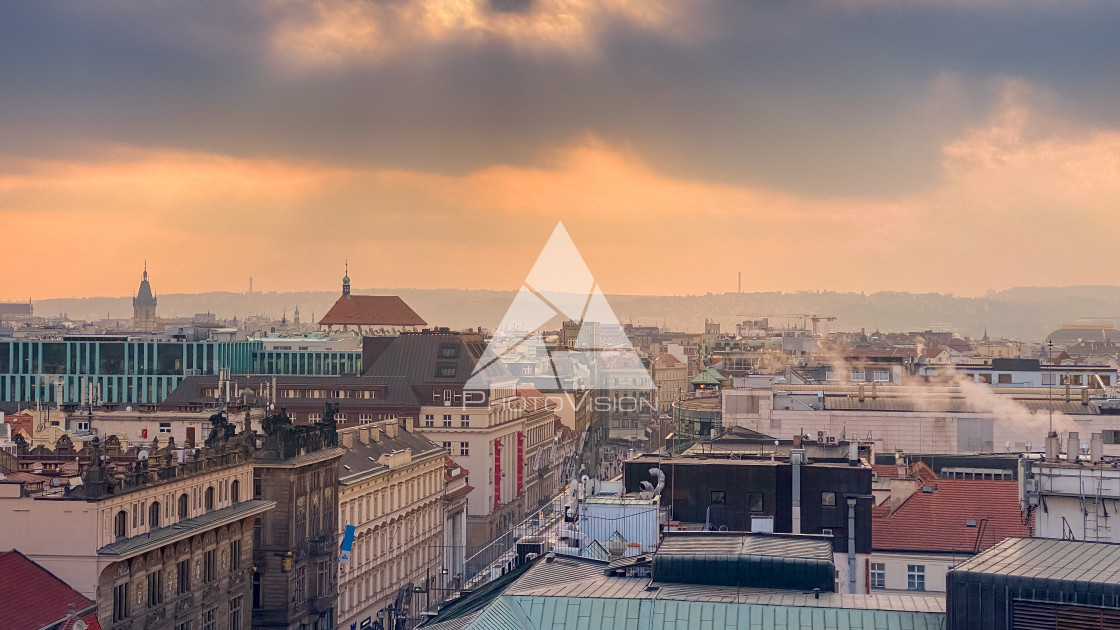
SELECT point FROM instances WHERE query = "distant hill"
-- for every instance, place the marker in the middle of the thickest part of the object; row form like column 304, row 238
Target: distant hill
column 1026, row 313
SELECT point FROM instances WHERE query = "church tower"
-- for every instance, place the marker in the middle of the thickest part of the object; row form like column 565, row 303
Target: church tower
column 144, row 305
column 346, row 281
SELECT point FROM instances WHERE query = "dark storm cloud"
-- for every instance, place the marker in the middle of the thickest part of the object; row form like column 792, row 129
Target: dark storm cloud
column 811, row 98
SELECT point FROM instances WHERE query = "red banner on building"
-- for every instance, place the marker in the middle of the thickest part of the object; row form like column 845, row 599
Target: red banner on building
column 497, row 474
column 520, row 463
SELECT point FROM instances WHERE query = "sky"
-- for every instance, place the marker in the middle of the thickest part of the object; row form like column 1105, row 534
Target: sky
column 855, row 145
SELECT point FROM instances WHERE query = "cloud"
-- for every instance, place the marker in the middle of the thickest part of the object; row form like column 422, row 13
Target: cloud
column 809, row 97
column 1011, row 192
column 334, row 32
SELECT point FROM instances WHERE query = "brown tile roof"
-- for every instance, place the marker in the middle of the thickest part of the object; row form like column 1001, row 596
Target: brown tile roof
column 32, row 596
column 665, row 359
column 371, row 310
column 938, row 521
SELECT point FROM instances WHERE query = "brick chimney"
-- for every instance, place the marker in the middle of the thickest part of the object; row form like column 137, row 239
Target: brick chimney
column 363, row 434
column 347, row 438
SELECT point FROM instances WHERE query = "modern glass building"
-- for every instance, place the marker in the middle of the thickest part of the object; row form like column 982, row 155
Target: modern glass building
column 120, row 369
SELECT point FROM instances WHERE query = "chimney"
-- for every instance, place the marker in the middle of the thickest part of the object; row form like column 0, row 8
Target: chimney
column 1085, row 396
column 1096, row 448
column 363, row 433
column 861, row 392
column 410, row 424
column 347, row 438
column 796, row 459
column 874, row 390
column 820, row 399
column 797, row 441
column 375, row 434
column 853, row 453
column 900, row 463
column 391, row 430
column 1073, row 446
column 1067, row 392
column 1053, row 444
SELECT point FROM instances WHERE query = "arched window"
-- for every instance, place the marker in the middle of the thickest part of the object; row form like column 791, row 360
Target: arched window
column 120, row 524
column 153, row 515
column 235, row 491
column 209, row 498
column 183, row 505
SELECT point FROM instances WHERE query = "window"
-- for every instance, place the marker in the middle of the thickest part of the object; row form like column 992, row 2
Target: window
column 446, row 419
column 120, row 602
column 235, row 613
column 447, row 446
column 445, row 370
column 155, row 589
column 882, row 376
column 183, row 505
column 754, row 502
column 235, row 555
column 257, row 485
column 153, row 515
column 209, row 566
column 878, row 575
column 448, row 351
column 324, row 581
column 209, row 619
column 314, row 417
column 365, row 418
column 429, row 420
column 858, row 375
column 916, row 577
column 301, row 584
column 464, row 449
column 165, row 427
column 120, row 524
column 183, row 577
column 719, row 497
column 984, row 378
column 210, row 498
column 235, row 491
column 256, row 590
column 83, row 425
column 186, row 625
column 1005, row 379
column 828, row 499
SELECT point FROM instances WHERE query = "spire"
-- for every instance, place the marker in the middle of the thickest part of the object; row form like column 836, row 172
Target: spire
column 346, row 280
column 145, row 278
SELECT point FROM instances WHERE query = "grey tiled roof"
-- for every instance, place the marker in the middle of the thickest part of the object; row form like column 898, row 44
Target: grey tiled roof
column 362, row 458
column 184, row 529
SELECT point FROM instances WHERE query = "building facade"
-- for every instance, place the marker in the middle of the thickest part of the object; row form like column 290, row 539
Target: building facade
column 296, row 545
column 391, row 489
column 158, row 541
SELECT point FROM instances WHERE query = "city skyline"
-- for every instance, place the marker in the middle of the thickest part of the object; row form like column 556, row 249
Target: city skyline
column 853, row 146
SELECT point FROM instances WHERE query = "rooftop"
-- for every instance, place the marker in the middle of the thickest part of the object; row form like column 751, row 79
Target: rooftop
column 1044, row 558
column 34, row 598
column 371, row 310
column 572, row 592
column 957, row 515
column 136, row 545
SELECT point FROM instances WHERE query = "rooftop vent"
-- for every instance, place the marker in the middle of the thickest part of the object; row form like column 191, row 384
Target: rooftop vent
column 970, row 523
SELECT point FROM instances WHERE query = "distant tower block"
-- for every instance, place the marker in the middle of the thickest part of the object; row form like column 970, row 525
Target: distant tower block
column 250, row 284
column 144, row 305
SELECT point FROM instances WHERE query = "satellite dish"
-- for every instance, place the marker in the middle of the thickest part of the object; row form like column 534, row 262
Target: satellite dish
column 128, row 408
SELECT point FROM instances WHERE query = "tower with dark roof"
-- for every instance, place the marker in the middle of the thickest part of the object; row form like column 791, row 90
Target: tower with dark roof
column 346, row 281
column 144, row 305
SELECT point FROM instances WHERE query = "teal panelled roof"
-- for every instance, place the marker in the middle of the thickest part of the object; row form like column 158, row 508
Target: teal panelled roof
column 577, row 593
column 710, row 376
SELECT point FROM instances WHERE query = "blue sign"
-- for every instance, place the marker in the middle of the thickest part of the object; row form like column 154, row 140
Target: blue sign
column 347, row 545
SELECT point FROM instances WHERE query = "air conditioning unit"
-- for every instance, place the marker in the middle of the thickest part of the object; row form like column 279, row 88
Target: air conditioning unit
column 831, row 439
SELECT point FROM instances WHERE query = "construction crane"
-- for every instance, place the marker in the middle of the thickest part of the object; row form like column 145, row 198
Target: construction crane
column 816, row 319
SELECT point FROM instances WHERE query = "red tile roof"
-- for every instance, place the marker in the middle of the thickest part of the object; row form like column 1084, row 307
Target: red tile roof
column 32, row 596
column 936, row 521
column 371, row 310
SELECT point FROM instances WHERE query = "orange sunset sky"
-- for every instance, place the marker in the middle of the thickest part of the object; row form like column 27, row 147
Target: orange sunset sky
column 852, row 145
